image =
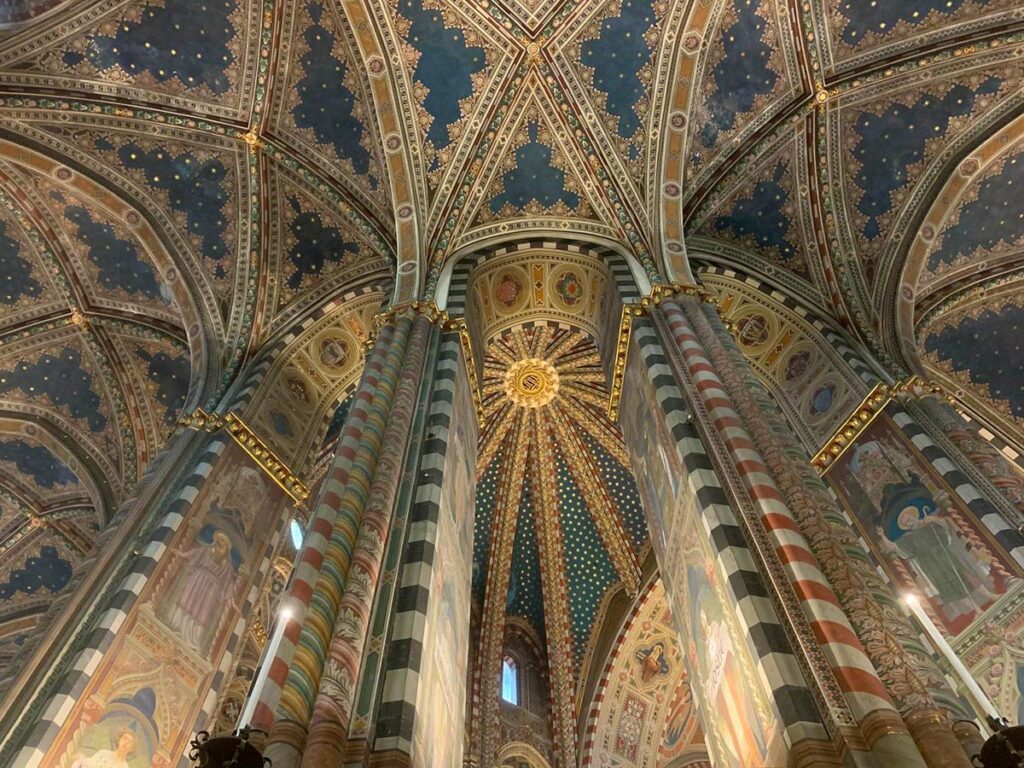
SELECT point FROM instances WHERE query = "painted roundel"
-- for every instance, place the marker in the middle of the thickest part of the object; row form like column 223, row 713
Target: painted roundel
column 334, row 352
column 796, row 365
column 569, row 287
column 752, row 330
column 822, row 399
column 510, row 290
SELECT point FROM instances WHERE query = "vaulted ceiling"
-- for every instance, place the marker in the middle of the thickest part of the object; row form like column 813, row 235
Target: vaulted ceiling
column 180, row 182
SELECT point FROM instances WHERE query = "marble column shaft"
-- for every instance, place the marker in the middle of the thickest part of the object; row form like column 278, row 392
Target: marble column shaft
column 894, row 647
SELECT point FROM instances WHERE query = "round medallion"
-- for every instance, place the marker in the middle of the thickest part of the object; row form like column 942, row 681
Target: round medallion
column 333, row 352
column 822, row 399
column 796, row 365
column 752, row 330
column 569, row 288
column 509, row 290
column 531, row 383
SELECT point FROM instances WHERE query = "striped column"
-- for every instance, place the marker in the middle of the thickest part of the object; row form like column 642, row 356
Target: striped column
column 784, row 675
column 318, row 534
column 846, row 663
column 449, row 403
column 904, row 665
column 294, row 710
column 325, row 745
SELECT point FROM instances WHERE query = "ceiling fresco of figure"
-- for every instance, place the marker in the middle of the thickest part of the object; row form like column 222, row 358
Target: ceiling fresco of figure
column 189, row 189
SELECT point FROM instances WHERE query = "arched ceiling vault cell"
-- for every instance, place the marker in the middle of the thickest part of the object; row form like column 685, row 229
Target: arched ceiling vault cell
column 774, row 146
column 958, row 316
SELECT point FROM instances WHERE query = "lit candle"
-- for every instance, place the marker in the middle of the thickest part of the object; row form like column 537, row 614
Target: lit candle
column 980, row 699
column 269, row 654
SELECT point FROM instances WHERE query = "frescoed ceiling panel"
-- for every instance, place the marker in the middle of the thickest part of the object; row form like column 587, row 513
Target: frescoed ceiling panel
column 323, row 107
column 976, row 348
column 890, row 143
column 39, row 472
column 857, row 33
column 759, row 210
column 314, row 248
column 27, row 289
column 450, row 53
column 173, row 53
column 615, row 50
column 196, row 188
column 746, row 74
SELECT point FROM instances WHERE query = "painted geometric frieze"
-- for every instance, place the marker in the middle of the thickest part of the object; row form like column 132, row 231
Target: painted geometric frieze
column 856, row 33
column 160, row 52
column 315, row 251
column 643, row 715
column 323, row 108
column 509, row 291
column 745, row 75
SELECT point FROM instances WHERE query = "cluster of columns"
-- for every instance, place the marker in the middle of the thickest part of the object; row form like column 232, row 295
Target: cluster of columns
column 345, row 684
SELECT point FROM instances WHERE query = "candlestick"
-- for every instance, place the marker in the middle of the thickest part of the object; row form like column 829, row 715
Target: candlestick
column 269, row 654
column 980, row 699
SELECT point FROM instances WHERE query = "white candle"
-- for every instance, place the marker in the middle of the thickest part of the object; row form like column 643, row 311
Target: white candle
column 980, row 699
column 269, row 654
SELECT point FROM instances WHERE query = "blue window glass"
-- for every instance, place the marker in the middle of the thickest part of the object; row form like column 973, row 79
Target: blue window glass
column 296, row 531
column 509, row 681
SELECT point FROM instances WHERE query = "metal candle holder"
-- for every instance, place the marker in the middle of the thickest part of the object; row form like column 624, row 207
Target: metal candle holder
column 234, row 751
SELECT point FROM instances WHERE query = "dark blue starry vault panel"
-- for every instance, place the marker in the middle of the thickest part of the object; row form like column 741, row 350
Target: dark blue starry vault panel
column 533, row 178
column 62, row 379
column 189, row 43
column 314, row 245
column 760, row 218
column 119, row 265
column 987, row 345
column 168, row 374
column 525, row 594
column 618, row 56
column 43, row 571
column 36, row 463
column 196, row 187
column 864, row 17
column 18, row 282
column 889, row 144
column 589, row 572
column 326, row 98
column 742, row 69
column 486, row 499
column 445, row 67
column 992, row 220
